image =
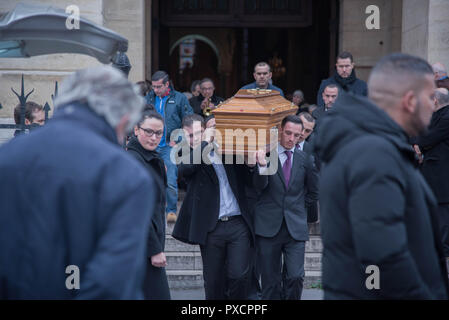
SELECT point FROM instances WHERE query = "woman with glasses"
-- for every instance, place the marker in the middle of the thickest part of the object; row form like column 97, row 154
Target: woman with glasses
column 148, row 133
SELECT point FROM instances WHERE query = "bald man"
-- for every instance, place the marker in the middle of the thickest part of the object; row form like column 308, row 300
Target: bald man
column 434, row 145
column 378, row 217
column 440, row 73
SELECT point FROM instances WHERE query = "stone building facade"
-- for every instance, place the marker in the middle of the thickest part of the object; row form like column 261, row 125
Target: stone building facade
column 419, row 27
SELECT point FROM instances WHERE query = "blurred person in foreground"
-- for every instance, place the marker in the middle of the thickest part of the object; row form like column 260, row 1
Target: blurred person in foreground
column 75, row 208
column 379, row 227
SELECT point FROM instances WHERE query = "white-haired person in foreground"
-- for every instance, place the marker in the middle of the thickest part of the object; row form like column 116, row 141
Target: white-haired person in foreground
column 74, row 206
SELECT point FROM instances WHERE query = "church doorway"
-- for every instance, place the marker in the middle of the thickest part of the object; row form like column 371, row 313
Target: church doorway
column 298, row 38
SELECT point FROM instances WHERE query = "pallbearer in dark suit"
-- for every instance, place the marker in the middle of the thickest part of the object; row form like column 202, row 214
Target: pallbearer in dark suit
column 280, row 218
column 215, row 215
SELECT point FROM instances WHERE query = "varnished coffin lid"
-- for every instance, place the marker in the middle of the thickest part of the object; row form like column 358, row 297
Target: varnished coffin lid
column 255, row 101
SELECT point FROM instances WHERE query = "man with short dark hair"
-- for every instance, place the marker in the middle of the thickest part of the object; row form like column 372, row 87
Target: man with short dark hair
column 206, row 99
column 262, row 74
column 173, row 106
column 378, row 220
column 34, row 115
column 193, row 133
column 344, row 78
column 280, row 215
column 434, row 145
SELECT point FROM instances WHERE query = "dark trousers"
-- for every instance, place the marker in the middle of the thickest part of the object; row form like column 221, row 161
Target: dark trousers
column 276, row 286
column 443, row 215
column 155, row 283
column 255, row 291
column 226, row 260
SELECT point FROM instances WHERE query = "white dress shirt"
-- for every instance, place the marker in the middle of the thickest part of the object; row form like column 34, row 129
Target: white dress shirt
column 228, row 203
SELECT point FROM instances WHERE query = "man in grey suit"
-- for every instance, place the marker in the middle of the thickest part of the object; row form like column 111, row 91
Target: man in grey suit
column 280, row 217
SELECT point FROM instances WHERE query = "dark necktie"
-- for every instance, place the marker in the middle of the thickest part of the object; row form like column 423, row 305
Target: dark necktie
column 287, row 167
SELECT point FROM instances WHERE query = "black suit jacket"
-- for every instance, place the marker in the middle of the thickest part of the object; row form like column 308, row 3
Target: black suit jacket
column 276, row 202
column 318, row 113
column 199, row 212
column 435, row 147
column 308, row 148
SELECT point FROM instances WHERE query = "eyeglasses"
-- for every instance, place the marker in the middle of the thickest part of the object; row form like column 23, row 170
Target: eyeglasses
column 150, row 133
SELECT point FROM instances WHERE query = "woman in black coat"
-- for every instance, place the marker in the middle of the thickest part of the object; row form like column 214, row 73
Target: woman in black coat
column 148, row 133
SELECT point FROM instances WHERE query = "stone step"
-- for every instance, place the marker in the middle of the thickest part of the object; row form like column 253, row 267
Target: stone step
column 193, row 279
column 314, row 244
column 169, row 228
column 314, row 228
column 192, row 261
column 172, row 245
column 184, row 261
column 312, row 279
column 185, row 279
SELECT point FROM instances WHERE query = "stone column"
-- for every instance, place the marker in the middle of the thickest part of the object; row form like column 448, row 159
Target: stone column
column 425, row 29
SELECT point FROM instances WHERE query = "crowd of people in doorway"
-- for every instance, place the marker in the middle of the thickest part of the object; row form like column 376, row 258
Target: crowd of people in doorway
column 368, row 161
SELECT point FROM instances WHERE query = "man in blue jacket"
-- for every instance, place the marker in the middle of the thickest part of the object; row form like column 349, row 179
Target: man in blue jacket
column 262, row 74
column 173, row 106
column 75, row 208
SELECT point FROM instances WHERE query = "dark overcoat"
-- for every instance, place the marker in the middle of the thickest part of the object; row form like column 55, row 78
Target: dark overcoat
column 156, row 283
column 70, row 196
column 199, row 212
column 377, row 211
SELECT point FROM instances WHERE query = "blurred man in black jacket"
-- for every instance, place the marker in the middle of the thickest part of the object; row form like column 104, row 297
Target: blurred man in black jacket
column 434, row 145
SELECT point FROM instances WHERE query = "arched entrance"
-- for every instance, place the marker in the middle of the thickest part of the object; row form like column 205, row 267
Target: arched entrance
column 193, row 57
column 297, row 37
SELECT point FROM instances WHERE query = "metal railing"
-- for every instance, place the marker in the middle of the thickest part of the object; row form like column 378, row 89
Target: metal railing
column 21, row 126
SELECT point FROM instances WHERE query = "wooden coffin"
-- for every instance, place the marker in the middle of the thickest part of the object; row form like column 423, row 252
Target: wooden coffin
column 245, row 121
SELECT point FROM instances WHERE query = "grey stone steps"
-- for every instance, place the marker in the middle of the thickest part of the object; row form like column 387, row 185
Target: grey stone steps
column 193, row 279
column 184, row 261
column 172, row 245
column 184, row 264
column 192, row 261
column 314, row 228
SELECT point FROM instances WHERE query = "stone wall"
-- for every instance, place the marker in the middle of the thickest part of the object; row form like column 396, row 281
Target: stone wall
column 368, row 46
column 125, row 17
column 425, row 26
